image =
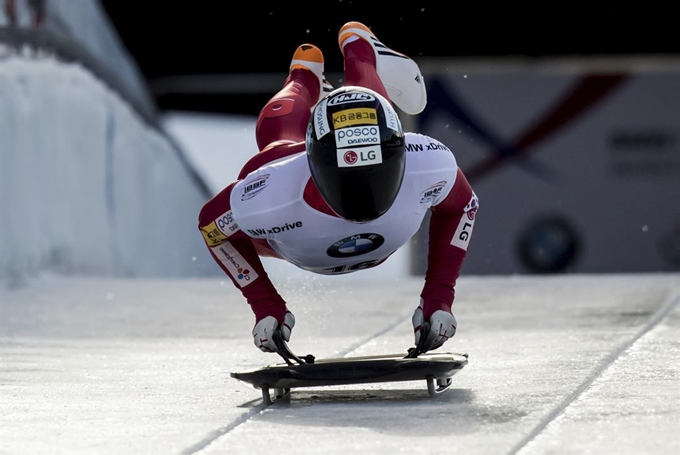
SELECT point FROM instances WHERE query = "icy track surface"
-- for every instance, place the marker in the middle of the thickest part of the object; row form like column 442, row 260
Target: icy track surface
column 558, row 365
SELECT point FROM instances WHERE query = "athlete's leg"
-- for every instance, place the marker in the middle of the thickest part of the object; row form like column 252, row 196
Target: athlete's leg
column 285, row 116
column 397, row 75
column 282, row 122
column 360, row 65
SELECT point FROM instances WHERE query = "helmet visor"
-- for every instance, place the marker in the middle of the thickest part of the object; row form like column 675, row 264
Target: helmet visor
column 360, row 194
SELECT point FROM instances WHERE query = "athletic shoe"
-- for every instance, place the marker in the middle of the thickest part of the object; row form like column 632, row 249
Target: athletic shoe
column 310, row 57
column 399, row 74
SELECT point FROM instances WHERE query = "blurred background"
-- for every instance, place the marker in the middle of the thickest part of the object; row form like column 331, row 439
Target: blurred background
column 230, row 58
column 118, row 122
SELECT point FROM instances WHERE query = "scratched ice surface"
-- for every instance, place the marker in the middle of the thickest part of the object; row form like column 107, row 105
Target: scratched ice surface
column 564, row 364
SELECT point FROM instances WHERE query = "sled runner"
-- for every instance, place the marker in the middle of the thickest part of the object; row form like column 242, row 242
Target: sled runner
column 436, row 369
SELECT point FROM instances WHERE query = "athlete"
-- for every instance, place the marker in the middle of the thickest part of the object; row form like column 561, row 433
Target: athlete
column 337, row 187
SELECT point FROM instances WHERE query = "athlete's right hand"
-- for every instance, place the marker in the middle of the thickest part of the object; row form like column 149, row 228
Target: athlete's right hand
column 265, row 327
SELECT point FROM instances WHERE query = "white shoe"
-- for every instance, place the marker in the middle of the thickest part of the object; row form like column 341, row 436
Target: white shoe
column 399, row 74
column 310, row 57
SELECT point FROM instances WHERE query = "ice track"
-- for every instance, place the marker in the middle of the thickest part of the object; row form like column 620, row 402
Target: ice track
column 566, row 364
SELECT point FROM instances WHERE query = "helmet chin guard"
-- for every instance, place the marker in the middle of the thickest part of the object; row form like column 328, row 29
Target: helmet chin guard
column 356, row 152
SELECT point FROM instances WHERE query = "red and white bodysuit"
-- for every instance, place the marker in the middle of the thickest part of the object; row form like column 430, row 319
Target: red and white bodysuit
column 274, row 208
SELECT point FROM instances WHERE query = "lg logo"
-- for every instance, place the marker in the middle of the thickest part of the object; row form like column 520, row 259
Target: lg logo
column 351, row 157
column 359, row 157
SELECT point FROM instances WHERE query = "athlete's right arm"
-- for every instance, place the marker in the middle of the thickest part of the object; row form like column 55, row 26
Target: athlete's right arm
column 235, row 253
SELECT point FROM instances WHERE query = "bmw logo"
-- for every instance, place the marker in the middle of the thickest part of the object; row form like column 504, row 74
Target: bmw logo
column 355, row 245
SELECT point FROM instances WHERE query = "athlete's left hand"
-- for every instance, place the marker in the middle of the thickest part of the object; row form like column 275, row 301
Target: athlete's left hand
column 442, row 327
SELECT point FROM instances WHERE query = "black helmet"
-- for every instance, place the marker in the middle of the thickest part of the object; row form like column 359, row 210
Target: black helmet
column 355, row 149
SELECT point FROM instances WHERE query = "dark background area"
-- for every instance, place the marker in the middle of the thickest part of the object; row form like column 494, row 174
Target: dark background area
column 173, row 39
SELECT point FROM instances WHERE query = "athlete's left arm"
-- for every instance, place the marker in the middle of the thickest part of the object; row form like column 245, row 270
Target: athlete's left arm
column 450, row 229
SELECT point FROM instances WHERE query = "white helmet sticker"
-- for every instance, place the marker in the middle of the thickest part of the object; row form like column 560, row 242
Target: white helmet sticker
column 350, row 98
column 391, row 117
column 321, row 126
column 362, row 156
column 357, row 135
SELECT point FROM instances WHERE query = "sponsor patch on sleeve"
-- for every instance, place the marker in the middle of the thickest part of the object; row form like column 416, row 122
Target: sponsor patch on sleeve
column 236, row 265
column 226, row 223
column 472, row 206
column 212, row 235
column 461, row 238
column 219, row 230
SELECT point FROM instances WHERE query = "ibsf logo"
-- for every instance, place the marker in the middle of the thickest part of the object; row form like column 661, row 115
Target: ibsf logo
column 253, row 187
column 350, row 98
column 432, row 192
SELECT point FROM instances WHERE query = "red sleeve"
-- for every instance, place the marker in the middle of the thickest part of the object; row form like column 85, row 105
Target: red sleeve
column 235, row 253
column 449, row 235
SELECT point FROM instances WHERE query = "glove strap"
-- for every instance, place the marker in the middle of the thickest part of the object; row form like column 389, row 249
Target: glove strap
column 420, row 349
column 284, row 351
